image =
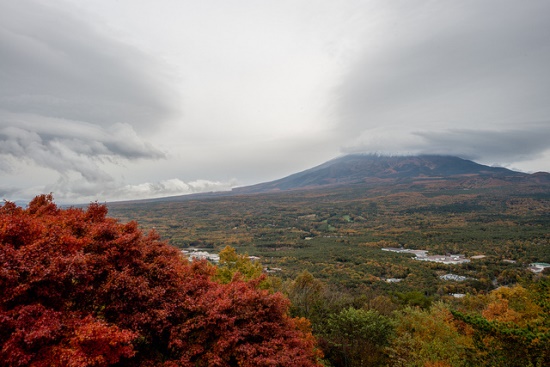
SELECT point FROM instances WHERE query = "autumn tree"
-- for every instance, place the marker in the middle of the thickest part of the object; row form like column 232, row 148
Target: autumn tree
column 81, row 289
column 514, row 327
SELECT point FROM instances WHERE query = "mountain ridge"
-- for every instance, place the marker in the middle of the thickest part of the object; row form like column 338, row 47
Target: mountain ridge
column 378, row 171
column 365, row 168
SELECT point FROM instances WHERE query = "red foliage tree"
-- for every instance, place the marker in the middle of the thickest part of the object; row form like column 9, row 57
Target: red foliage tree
column 81, row 289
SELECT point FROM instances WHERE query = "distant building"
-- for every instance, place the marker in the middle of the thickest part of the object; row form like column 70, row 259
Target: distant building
column 458, row 295
column 200, row 255
column 450, row 260
column 393, row 280
column 477, row 257
column 394, row 249
column 453, row 277
column 538, row 267
column 418, row 253
column 422, row 255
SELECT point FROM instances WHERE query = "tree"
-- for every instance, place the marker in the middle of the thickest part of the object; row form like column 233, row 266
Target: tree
column 232, row 263
column 514, row 328
column 414, row 298
column 81, row 289
column 429, row 337
column 306, row 293
column 358, row 337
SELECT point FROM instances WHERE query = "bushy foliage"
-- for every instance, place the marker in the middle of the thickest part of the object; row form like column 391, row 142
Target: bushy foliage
column 232, row 263
column 429, row 337
column 82, row 289
column 358, row 337
column 514, row 327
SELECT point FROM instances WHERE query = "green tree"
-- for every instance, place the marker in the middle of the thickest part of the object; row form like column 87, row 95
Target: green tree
column 305, row 292
column 232, row 263
column 414, row 298
column 428, row 337
column 358, row 337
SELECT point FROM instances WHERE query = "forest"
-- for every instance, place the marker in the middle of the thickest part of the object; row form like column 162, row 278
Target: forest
column 337, row 234
column 108, row 285
column 323, row 250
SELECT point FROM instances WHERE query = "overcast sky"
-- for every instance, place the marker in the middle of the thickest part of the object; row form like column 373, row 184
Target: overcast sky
column 107, row 100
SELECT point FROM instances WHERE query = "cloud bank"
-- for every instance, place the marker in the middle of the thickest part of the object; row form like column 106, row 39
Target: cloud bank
column 55, row 64
column 73, row 98
column 489, row 146
column 465, row 78
column 82, row 191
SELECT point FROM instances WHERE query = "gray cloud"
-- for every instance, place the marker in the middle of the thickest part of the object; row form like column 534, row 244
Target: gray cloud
column 57, row 65
column 455, row 77
column 71, row 97
column 80, row 108
column 500, row 145
column 71, row 190
column 66, row 146
column 514, row 145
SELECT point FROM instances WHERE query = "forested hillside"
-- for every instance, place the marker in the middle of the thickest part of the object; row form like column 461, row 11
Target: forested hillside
column 83, row 289
column 322, row 248
column 338, row 234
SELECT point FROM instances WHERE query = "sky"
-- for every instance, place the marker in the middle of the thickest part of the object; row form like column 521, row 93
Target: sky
column 113, row 100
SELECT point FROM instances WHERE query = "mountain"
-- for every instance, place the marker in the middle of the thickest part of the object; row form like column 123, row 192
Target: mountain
column 374, row 169
column 369, row 171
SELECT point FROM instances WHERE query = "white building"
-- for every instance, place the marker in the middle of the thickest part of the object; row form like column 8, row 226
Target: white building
column 538, row 267
column 199, row 255
column 454, row 277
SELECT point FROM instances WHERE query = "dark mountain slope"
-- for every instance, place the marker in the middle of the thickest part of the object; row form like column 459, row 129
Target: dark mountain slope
column 355, row 169
column 386, row 171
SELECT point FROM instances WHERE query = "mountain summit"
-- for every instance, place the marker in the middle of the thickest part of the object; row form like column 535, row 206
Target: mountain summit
column 367, row 171
column 361, row 168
